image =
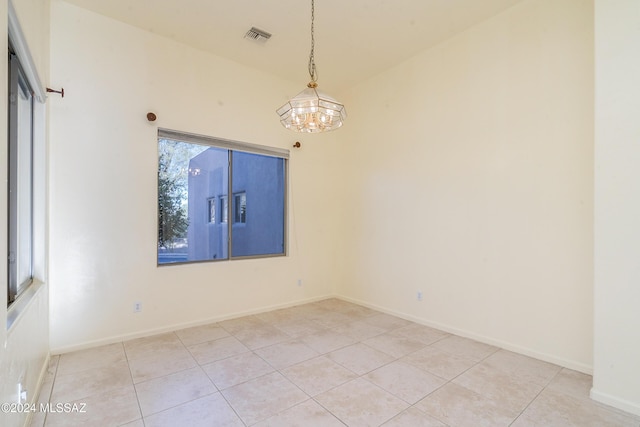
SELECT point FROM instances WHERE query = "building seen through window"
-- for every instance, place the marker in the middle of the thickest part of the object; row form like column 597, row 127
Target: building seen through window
column 194, row 207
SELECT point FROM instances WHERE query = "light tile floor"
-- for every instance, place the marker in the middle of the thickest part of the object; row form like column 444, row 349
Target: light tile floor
column 329, row 363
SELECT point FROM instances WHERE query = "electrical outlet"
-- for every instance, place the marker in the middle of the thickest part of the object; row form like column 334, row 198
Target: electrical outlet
column 137, row 307
column 419, row 296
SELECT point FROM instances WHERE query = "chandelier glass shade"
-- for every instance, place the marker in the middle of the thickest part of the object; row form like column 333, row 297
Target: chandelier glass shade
column 312, row 110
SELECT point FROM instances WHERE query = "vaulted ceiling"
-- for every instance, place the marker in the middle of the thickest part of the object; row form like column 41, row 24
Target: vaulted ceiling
column 355, row 39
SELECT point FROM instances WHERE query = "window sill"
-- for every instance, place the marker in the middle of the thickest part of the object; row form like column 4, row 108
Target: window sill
column 22, row 303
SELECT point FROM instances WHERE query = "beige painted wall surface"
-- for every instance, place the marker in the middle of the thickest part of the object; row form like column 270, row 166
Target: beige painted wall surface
column 616, row 379
column 103, row 184
column 24, row 347
column 469, row 178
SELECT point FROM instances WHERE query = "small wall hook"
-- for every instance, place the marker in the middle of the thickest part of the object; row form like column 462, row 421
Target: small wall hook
column 151, row 117
column 297, row 144
column 61, row 92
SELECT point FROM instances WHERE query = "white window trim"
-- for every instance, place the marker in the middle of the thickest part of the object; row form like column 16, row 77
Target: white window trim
column 19, row 43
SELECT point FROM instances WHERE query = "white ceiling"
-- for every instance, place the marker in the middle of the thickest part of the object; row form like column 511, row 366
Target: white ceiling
column 355, row 39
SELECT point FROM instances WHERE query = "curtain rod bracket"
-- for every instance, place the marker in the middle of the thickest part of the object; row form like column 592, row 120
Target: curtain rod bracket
column 61, row 92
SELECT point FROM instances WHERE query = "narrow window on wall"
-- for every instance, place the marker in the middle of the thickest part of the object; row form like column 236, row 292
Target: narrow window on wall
column 219, row 199
column 240, row 208
column 224, row 209
column 211, row 210
column 20, row 180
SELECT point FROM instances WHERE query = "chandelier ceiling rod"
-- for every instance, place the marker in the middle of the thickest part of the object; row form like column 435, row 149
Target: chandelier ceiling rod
column 311, row 110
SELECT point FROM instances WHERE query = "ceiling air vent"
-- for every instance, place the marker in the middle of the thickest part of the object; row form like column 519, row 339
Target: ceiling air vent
column 258, row 35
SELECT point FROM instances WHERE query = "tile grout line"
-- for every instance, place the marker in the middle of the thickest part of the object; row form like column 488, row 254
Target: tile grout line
column 53, row 384
column 536, row 396
column 135, row 389
column 253, row 352
column 316, row 314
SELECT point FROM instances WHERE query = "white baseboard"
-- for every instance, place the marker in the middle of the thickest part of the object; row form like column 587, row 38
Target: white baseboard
column 571, row 364
column 607, row 399
column 596, row 395
column 33, row 400
column 577, row 366
column 154, row 331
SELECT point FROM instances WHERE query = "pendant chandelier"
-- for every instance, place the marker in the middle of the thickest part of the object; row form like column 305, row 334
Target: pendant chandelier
column 311, row 110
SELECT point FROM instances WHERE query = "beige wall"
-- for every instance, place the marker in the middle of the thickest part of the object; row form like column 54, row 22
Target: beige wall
column 616, row 379
column 465, row 173
column 474, row 187
column 470, row 178
column 25, row 344
column 103, row 184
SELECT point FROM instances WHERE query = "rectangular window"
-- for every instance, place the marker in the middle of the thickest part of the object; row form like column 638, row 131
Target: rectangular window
column 224, row 209
column 240, row 208
column 231, row 180
column 20, row 180
column 211, row 203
